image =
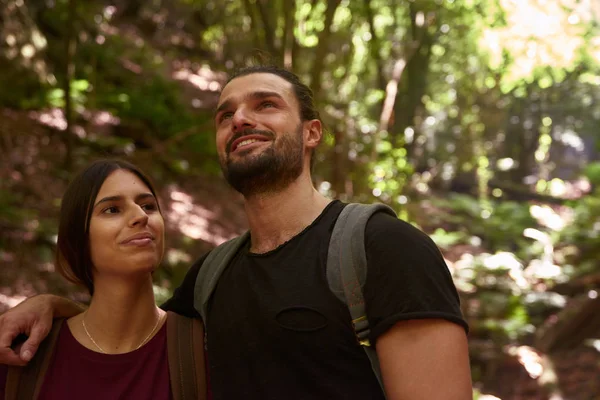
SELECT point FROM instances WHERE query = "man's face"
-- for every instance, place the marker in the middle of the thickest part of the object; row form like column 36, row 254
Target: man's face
column 259, row 133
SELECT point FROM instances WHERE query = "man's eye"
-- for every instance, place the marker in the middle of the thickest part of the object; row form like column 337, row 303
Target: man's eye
column 267, row 104
column 225, row 116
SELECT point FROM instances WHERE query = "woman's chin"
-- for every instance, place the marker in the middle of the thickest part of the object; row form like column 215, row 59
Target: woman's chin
column 137, row 269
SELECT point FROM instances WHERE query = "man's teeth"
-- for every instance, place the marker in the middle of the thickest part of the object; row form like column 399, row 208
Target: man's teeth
column 245, row 142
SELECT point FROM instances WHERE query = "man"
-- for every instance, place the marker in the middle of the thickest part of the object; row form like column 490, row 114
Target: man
column 274, row 328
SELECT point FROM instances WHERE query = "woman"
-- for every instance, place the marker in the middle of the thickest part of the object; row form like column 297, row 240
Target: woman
column 111, row 239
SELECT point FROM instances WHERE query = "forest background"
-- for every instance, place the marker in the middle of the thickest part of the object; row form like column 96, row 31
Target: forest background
column 478, row 121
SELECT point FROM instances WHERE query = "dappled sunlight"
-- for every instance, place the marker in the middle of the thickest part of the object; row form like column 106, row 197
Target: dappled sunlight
column 501, row 260
column 203, row 79
column 529, row 358
column 535, row 363
column 191, row 219
column 6, row 256
column 102, row 118
column 176, row 256
column 538, row 33
column 508, row 261
column 594, row 343
column 542, row 369
column 53, row 118
column 487, row 397
column 543, row 268
column 477, row 121
column 548, row 217
column 10, row 301
column 524, row 277
column 571, row 139
column 21, row 39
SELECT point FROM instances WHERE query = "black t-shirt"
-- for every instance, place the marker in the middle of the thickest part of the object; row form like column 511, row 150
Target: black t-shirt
column 276, row 331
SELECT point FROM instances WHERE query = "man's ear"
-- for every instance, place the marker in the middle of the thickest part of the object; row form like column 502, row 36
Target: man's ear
column 313, row 133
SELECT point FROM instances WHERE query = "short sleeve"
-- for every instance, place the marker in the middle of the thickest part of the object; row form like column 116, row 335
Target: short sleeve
column 407, row 277
column 182, row 301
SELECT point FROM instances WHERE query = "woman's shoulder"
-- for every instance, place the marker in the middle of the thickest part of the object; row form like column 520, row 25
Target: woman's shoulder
column 178, row 323
column 3, row 375
column 184, row 333
column 44, row 349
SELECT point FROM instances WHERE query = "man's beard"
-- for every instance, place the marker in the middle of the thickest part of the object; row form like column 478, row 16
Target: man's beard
column 270, row 171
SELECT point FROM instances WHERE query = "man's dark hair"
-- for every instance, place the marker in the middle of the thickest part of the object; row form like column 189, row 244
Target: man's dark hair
column 303, row 93
column 73, row 255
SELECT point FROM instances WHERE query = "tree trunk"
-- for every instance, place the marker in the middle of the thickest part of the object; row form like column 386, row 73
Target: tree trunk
column 268, row 27
column 289, row 39
column 254, row 26
column 70, row 46
column 414, row 86
column 322, row 48
column 393, row 104
column 375, row 44
column 339, row 160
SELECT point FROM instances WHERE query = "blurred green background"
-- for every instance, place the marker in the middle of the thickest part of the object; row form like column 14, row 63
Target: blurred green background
column 478, row 121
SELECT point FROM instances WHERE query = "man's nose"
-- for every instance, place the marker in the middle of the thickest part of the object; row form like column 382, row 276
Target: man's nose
column 242, row 119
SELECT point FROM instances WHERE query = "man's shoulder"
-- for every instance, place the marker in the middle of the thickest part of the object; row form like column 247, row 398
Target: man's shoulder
column 388, row 228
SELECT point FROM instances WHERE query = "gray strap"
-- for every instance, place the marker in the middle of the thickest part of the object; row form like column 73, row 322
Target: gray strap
column 347, row 270
column 210, row 271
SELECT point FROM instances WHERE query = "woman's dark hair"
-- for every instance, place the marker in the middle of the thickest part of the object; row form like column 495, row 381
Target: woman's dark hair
column 73, row 256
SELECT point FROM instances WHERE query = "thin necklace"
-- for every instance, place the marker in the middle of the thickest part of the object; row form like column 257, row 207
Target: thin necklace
column 102, row 350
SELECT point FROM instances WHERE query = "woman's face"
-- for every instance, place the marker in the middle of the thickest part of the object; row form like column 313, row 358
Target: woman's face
column 126, row 228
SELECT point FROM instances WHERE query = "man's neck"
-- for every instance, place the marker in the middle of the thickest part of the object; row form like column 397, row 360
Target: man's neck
column 275, row 218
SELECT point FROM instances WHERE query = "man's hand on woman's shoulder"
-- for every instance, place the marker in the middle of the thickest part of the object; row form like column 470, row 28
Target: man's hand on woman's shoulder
column 32, row 321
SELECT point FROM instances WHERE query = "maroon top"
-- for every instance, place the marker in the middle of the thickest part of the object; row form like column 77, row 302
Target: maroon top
column 79, row 373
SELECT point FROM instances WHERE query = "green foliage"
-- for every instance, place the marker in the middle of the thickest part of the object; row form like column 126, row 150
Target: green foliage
column 155, row 102
column 445, row 240
column 11, row 209
column 56, row 96
column 584, row 234
column 592, row 172
column 500, row 227
column 482, row 93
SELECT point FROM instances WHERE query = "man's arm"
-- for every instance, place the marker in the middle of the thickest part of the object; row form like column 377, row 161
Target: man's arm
column 33, row 318
column 414, row 314
column 425, row 359
column 182, row 301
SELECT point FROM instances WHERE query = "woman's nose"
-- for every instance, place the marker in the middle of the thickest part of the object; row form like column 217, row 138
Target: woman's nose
column 139, row 217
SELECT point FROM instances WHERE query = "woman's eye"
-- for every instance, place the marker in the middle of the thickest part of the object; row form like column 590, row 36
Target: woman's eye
column 150, row 207
column 110, row 210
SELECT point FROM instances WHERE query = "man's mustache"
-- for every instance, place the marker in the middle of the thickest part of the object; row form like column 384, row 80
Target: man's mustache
column 247, row 132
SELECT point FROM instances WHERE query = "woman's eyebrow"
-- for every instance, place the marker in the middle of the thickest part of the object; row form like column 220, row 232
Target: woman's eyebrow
column 139, row 197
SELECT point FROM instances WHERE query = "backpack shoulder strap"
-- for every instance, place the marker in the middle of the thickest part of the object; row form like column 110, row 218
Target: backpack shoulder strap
column 212, row 268
column 185, row 352
column 25, row 383
column 347, row 269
